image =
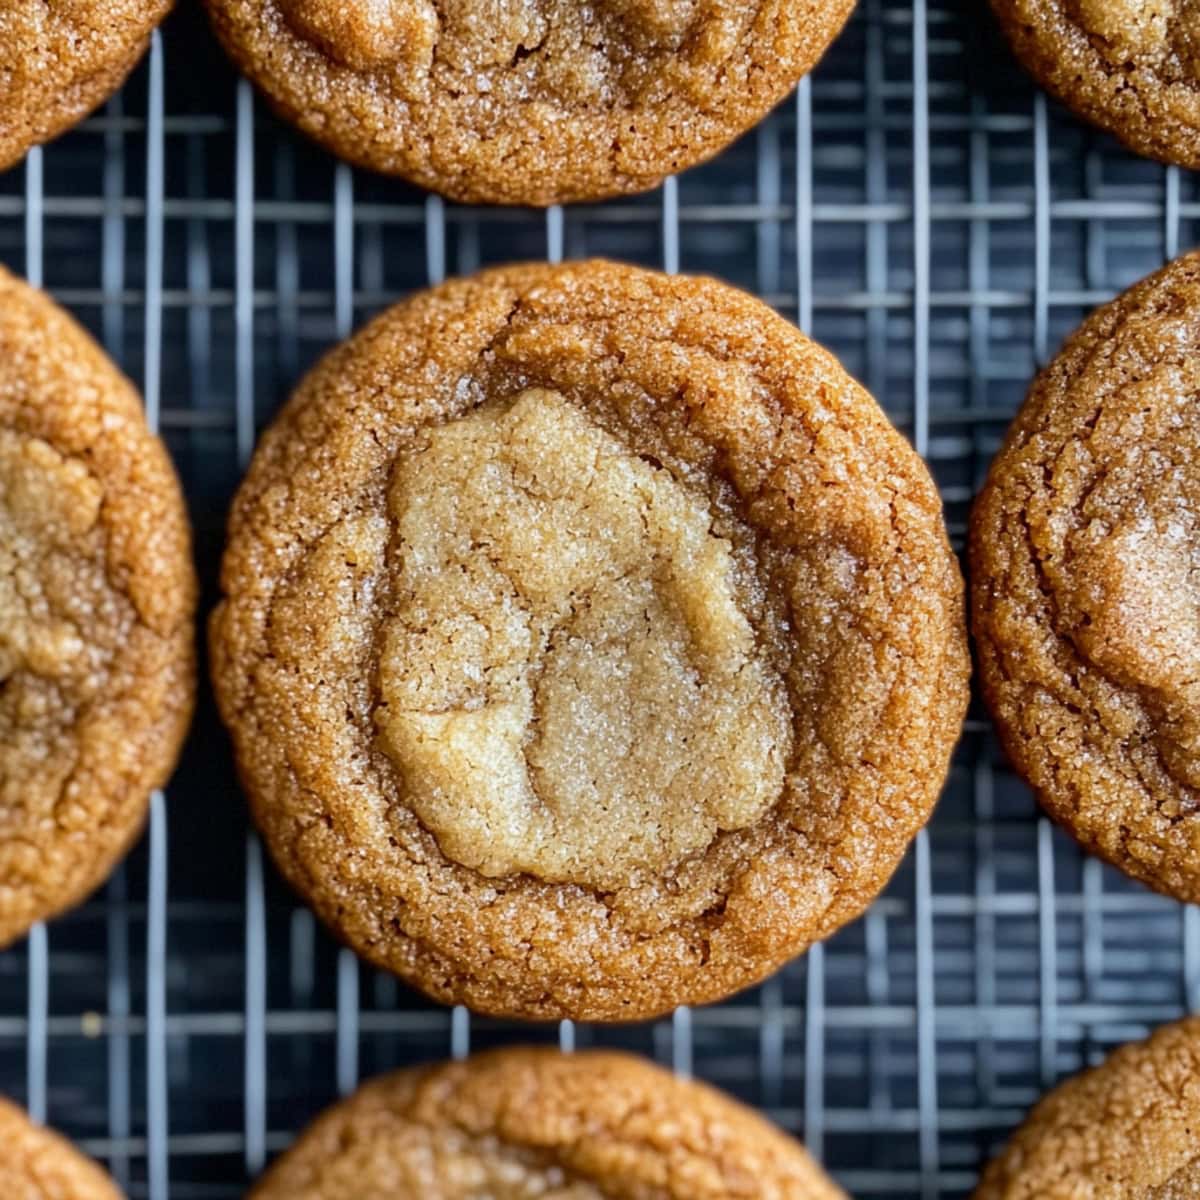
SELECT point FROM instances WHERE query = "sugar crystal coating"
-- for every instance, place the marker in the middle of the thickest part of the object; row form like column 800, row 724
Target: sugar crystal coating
column 1085, row 550
column 59, row 60
column 1130, row 66
column 534, row 1124
column 96, row 602
column 527, row 101
column 590, row 641
column 1124, row 1129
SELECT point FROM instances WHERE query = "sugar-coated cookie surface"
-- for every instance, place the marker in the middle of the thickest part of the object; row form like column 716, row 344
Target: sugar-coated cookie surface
column 526, row 101
column 60, row 60
column 534, row 1124
column 1125, row 1130
column 1085, row 564
column 96, row 603
column 591, row 643
column 1130, row 66
column 38, row 1164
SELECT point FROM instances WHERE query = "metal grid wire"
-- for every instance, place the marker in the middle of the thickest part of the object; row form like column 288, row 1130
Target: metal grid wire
column 920, row 209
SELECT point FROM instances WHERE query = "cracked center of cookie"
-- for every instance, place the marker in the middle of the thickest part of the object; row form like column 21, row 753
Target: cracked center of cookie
column 365, row 34
column 568, row 683
column 480, row 34
column 47, row 503
column 1158, row 35
column 1132, row 26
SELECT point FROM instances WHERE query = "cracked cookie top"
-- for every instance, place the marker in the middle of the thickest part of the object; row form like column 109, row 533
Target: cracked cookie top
column 568, row 684
column 591, row 643
column 526, row 1124
column 96, row 601
column 38, row 1164
column 1085, row 548
column 1125, row 1130
column 60, row 60
column 526, row 101
column 1130, row 66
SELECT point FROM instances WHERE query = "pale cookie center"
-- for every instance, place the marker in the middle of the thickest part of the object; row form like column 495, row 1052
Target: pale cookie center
column 1137, row 27
column 1139, row 587
column 365, row 34
column 47, row 503
column 570, row 688
column 655, row 23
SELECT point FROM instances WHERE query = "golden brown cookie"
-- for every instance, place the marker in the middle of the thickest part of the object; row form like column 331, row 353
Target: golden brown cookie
column 96, row 602
column 58, row 61
column 527, row 101
column 1125, row 1130
column 1129, row 66
column 38, row 1164
column 1085, row 564
column 520, row 1124
column 591, row 642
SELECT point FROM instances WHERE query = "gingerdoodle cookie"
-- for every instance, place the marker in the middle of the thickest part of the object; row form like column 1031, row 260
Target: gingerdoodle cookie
column 1085, row 565
column 60, row 60
column 96, row 602
column 591, row 643
column 1130, row 67
column 1125, row 1130
column 516, row 1124
column 38, row 1164
column 526, row 101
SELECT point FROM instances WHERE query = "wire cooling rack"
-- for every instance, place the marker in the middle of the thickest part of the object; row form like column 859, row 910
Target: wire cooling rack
column 920, row 209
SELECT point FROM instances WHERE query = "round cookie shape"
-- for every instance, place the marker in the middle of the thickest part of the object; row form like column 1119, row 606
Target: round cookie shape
column 38, row 1164
column 1124, row 1129
column 1085, row 566
column 1132, row 68
column 526, row 101
column 59, row 61
column 96, row 604
column 591, row 643
column 516, row 1124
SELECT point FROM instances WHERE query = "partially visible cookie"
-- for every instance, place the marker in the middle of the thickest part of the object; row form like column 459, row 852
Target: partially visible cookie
column 96, row 601
column 59, row 61
column 534, row 1124
column 590, row 642
column 526, row 101
column 1085, row 568
column 1128, row 1129
column 1130, row 66
column 38, row 1164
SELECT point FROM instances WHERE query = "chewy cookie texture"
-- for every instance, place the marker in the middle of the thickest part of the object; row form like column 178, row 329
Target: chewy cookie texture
column 96, row 606
column 526, row 1124
column 37, row 1164
column 1125, row 1129
column 526, row 101
column 591, row 643
column 60, row 60
column 1130, row 66
column 1085, row 565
